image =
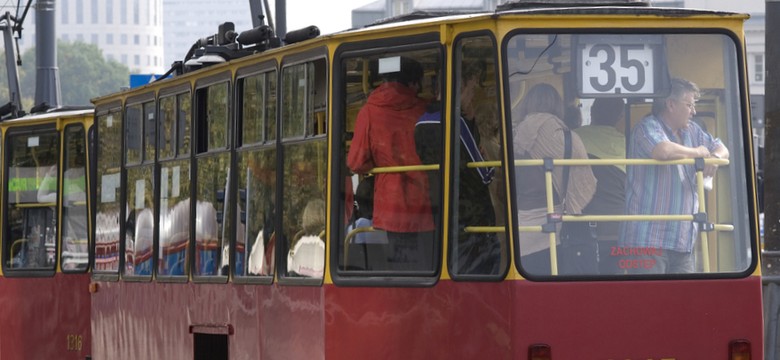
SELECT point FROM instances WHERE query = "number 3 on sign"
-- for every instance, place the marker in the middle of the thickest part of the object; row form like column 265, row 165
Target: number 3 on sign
column 617, row 69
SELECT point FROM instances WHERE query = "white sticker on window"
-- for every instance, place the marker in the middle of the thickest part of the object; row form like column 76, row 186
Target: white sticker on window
column 390, row 65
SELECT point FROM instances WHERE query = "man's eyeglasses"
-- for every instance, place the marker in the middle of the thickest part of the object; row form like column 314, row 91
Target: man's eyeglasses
column 690, row 105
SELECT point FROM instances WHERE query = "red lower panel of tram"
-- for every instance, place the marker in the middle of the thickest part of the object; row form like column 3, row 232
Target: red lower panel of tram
column 452, row 320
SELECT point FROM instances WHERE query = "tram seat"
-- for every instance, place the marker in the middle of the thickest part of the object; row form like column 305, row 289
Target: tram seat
column 363, row 253
column 17, row 248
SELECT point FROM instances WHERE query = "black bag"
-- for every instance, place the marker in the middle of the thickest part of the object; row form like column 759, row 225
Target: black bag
column 578, row 252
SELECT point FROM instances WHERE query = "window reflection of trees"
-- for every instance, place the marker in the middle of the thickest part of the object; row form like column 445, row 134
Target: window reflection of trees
column 108, row 168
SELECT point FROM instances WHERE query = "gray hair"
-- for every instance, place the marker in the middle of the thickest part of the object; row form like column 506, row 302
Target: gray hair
column 679, row 87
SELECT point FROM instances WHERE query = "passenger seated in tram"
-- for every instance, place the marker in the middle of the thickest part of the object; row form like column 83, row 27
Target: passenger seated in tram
column 384, row 137
column 538, row 133
column 307, row 252
column 603, row 141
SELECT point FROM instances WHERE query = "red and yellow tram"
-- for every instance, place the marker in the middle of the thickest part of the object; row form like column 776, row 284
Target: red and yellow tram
column 230, row 224
column 44, row 278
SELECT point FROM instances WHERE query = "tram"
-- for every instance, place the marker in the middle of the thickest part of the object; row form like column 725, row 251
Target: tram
column 44, row 278
column 377, row 193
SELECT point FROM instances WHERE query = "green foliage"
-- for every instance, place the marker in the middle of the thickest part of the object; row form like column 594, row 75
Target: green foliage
column 84, row 74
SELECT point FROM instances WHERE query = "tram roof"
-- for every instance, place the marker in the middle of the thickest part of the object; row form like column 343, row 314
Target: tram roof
column 65, row 112
column 520, row 7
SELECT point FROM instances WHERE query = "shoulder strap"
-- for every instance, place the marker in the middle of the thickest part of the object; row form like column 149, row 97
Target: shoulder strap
column 566, row 155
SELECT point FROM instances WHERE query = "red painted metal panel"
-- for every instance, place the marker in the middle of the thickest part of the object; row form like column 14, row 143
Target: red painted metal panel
column 638, row 320
column 153, row 320
column 579, row 320
column 45, row 318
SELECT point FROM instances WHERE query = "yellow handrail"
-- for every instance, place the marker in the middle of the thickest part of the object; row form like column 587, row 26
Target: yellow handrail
column 347, row 239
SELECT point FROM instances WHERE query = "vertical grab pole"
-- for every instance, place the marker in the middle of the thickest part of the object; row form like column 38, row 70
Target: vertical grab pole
column 548, row 182
column 705, row 246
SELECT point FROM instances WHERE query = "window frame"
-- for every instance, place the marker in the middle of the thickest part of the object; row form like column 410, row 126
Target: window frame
column 396, row 44
column 266, row 67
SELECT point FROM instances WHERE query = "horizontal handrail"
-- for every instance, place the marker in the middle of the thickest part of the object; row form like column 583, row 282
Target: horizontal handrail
column 581, row 162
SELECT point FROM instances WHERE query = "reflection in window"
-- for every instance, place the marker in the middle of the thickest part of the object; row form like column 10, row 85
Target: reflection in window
column 255, row 233
column 212, row 201
column 175, row 180
column 305, row 168
column 166, row 143
column 212, row 211
column 75, row 232
column 31, row 216
column 139, row 227
column 134, row 134
column 108, row 184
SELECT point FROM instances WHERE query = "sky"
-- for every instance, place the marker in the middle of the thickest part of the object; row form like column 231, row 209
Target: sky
column 328, row 15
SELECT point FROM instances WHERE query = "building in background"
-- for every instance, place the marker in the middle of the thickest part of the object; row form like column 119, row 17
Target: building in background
column 145, row 35
column 186, row 21
column 127, row 31
column 382, row 9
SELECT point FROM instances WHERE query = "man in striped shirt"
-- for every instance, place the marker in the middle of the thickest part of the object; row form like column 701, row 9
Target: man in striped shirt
column 667, row 134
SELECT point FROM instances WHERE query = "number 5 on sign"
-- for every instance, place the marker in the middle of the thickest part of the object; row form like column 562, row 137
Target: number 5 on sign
column 624, row 69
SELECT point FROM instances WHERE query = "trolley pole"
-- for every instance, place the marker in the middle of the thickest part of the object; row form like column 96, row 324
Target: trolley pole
column 281, row 18
column 47, row 78
column 771, row 253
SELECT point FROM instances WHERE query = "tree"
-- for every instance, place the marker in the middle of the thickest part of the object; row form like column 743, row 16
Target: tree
column 84, row 74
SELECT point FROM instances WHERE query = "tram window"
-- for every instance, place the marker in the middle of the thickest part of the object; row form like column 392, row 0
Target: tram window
column 108, row 184
column 133, row 134
column 184, row 121
column 167, row 140
column 653, row 75
column 139, row 193
column 150, row 127
column 478, row 247
column 395, row 230
column 175, row 180
column 140, row 223
column 304, row 112
column 255, row 235
column 258, row 108
column 30, row 211
column 212, row 193
column 213, row 126
column 75, row 233
column 305, row 168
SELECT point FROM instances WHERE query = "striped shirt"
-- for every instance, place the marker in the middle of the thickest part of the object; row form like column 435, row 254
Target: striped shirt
column 662, row 190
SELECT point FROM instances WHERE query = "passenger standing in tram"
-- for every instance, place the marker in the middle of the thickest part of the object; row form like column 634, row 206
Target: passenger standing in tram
column 603, row 141
column 383, row 137
column 538, row 133
column 667, row 134
column 473, row 253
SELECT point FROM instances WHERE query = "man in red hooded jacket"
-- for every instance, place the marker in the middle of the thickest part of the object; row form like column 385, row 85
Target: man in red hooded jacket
column 384, row 136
